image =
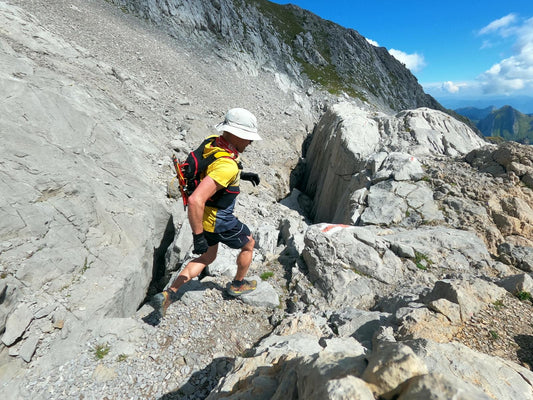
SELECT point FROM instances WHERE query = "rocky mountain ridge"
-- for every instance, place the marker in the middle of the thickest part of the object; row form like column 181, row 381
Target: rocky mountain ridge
column 475, row 114
column 436, row 231
column 259, row 34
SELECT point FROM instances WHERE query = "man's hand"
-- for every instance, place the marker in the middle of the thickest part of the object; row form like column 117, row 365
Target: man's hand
column 252, row 177
column 199, row 243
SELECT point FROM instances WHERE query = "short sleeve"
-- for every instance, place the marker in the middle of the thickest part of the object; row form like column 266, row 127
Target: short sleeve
column 223, row 171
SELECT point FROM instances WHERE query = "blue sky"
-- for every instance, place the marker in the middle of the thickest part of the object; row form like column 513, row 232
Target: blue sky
column 456, row 49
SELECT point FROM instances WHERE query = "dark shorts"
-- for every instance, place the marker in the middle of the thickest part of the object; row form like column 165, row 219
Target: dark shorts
column 235, row 238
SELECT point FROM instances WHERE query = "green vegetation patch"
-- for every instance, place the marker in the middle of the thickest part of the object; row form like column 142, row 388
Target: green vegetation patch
column 498, row 305
column 422, row 261
column 283, row 18
column 85, row 266
column 101, row 350
column 267, row 275
column 524, row 296
column 289, row 25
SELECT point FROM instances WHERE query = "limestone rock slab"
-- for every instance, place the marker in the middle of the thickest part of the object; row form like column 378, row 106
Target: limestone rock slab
column 347, row 141
column 497, row 378
column 16, row 324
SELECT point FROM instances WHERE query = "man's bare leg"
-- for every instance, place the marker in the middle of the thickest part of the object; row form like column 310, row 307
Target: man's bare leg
column 239, row 285
column 244, row 259
column 194, row 268
column 162, row 300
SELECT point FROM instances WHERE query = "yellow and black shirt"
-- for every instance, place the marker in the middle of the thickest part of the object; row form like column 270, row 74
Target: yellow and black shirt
column 218, row 212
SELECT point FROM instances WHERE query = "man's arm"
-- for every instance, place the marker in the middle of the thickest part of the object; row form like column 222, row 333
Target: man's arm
column 207, row 188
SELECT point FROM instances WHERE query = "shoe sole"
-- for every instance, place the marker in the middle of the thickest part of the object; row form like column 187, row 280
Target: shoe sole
column 240, row 292
column 237, row 294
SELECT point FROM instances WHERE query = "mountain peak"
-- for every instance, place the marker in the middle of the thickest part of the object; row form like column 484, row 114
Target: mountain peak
column 505, row 122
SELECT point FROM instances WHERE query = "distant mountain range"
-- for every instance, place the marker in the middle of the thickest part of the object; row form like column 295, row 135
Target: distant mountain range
column 505, row 122
column 522, row 103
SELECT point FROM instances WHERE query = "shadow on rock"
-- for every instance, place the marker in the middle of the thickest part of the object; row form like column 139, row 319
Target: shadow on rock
column 202, row 382
column 159, row 279
column 525, row 352
column 154, row 318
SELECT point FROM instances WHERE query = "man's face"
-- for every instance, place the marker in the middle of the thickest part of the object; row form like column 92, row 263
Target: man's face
column 239, row 143
column 243, row 143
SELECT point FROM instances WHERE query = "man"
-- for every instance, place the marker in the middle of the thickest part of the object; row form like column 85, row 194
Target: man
column 211, row 207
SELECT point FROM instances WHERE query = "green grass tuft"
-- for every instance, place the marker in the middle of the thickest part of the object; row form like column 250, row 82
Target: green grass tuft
column 422, row 261
column 494, row 335
column 498, row 305
column 267, row 275
column 101, row 350
column 523, row 295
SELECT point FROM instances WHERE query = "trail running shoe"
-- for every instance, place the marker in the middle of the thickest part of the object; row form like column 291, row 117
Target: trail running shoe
column 246, row 287
column 161, row 301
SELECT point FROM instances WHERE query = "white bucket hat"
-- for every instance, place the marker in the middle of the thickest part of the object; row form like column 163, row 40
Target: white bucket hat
column 240, row 122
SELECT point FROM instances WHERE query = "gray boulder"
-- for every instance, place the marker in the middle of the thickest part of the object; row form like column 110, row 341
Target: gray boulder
column 16, row 324
column 518, row 256
column 394, row 203
column 498, row 378
column 266, row 238
column 360, row 324
column 390, row 365
column 354, row 249
column 263, row 296
column 301, row 371
column 442, row 247
column 511, row 159
column 347, row 141
column 435, row 386
column 342, row 266
column 517, row 283
column 399, row 167
column 426, row 131
column 470, row 297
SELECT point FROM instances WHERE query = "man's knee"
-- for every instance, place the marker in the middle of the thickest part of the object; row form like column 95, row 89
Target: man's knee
column 249, row 246
column 209, row 256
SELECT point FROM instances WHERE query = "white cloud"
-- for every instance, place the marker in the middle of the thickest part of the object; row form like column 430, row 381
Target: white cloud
column 415, row 62
column 450, row 87
column 514, row 73
column 499, row 24
column 372, row 42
